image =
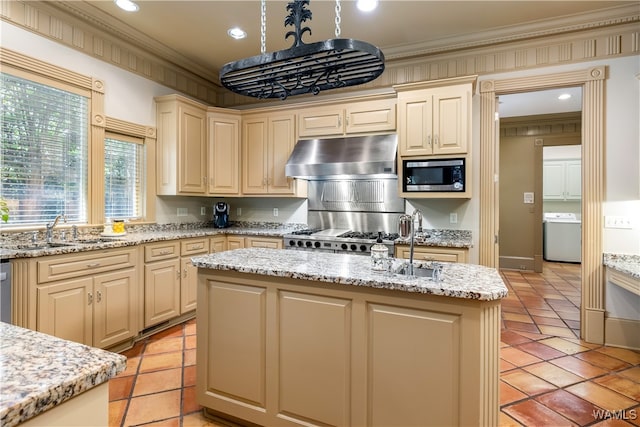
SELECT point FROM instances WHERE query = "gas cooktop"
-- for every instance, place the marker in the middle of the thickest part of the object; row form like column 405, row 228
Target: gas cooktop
column 337, row 240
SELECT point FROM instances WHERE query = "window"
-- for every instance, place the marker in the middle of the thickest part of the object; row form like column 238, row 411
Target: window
column 44, row 152
column 124, row 177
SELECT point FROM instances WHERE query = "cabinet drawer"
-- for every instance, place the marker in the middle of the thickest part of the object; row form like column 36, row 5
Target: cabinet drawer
column 194, row 246
column 68, row 266
column 433, row 254
column 263, row 242
column 160, row 251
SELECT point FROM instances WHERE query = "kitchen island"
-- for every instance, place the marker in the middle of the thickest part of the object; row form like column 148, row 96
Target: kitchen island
column 299, row 338
column 48, row 381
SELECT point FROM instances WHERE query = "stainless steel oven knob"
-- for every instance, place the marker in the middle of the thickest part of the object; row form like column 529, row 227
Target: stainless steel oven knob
column 316, row 244
column 363, row 248
column 300, row 243
column 308, row 244
column 354, row 247
column 344, row 246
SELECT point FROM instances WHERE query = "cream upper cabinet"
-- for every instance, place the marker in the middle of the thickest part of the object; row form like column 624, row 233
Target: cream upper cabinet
column 267, row 142
column 434, row 121
column 355, row 117
column 223, row 133
column 181, row 153
column 562, row 180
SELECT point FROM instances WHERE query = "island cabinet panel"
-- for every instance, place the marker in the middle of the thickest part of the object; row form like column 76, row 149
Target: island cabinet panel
column 235, row 372
column 321, row 358
column 401, row 340
column 280, row 351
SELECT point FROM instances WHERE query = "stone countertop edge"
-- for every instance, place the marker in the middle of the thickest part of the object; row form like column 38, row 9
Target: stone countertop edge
column 439, row 238
column 467, row 281
column 39, row 371
column 624, row 263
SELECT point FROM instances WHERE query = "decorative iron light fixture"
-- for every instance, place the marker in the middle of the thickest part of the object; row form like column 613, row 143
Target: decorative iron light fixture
column 303, row 68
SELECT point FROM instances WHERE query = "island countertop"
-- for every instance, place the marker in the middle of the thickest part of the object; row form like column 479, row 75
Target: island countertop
column 457, row 280
column 39, row 372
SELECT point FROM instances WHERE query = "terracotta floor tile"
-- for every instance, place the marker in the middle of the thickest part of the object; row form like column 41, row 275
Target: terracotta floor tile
column 189, row 357
column 542, row 351
column 543, row 313
column 506, row 421
column 136, row 350
column 153, row 407
column 165, row 346
column 506, row 366
column 189, row 403
column 509, row 394
column 526, row 382
column 532, row 413
column 621, row 385
column 570, row 406
column 197, row 419
column 535, row 336
column 549, row 321
column 633, row 374
column 157, row 381
column 573, row 324
column 553, row 374
column 584, row 343
column 518, row 357
column 520, row 326
column 513, row 310
column 189, row 376
column 556, row 331
column 599, row 359
column 190, row 328
column 190, row 342
column 538, row 303
column 120, row 387
column 116, row 412
column 524, row 318
column 569, row 315
column 578, row 367
column 513, row 338
column 601, row 396
column 161, row 361
column 171, row 422
column 629, row 356
column 173, row 332
column 132, row 367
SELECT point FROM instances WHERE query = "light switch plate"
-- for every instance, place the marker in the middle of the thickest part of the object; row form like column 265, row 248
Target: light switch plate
column 611, row 221
column 453, row 218
column 529, row 198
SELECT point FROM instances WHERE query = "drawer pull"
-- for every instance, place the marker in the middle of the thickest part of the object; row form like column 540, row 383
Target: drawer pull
column 194, row 247
column 93, row 264
column 166, row 252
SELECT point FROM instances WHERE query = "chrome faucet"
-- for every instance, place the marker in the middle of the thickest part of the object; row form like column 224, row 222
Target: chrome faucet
column 407, row 229
column 52, row 225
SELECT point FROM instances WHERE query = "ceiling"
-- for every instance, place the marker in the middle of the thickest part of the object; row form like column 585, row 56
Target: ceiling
column 193, row 34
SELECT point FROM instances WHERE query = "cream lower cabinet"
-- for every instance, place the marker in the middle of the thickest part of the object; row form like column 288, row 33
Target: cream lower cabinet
column 238, row 242
column 161, row 282
column 218, row 244
column 88, row 298
column 280, row 351
column 189, row 279
column 433, row 253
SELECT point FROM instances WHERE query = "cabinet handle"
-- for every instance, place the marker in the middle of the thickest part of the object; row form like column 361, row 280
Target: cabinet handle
column 90, row 298
column 347, row 120
column 177, row 274
column 200, row 246
column 98, row 296
column 339, row 121
column 429, row 141
column 184, row 274
column 94, row 264
column 165, row 252
column 428, row 258
column 204, row 180
column 435, row 140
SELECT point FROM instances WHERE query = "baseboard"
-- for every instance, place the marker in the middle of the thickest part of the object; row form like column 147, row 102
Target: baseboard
column 517, row 263
column 622, row 333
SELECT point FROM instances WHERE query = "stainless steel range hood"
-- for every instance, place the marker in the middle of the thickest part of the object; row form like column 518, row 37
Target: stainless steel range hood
column 352, row 158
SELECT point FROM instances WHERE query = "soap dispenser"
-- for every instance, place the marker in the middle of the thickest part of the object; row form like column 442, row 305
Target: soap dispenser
column 379, row 255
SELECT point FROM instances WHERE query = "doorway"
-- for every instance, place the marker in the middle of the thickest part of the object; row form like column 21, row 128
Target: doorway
column 591, row 80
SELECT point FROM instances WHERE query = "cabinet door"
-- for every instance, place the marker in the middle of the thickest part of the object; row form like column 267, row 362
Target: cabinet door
column 450, row 120
column 553, row 180
column 188, row 286
column 115, row 307
column 281, row 142
column 264, row 242
column 161, row 291
column 218, row 244
column 234, row 242
column 573, row 180
column 254, row 156
column 321, row 122
column 224, row 154
column 65, row 310
column 192, row 155
column 371, row 116
column 414, row 129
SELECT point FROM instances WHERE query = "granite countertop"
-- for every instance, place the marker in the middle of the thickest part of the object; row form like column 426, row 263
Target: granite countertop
column 457, row 280
column 149, row 234
column 39, row 371
column 628, row 264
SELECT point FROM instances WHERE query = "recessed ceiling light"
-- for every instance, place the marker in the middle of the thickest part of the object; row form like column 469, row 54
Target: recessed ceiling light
column 237, row 33
column 367, row 5
column 127, row 5
column 564, row 96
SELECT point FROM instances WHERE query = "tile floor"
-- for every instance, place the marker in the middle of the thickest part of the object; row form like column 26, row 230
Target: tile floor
column 549, row 377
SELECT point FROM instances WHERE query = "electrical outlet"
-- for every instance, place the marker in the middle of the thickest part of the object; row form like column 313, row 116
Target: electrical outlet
column 617, row 222
column 183, row 212
column 239, row 211
column 203, row 210
column 275, row 211
column 453, row 218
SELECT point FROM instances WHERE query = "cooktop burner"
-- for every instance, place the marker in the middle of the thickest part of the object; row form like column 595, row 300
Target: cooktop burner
column 368, row 235
column 337, row 240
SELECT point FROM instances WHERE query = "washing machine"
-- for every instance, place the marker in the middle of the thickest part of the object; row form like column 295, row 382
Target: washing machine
column 562, row 237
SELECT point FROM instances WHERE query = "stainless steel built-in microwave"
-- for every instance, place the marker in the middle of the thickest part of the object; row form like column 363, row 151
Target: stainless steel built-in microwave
column 433, row 175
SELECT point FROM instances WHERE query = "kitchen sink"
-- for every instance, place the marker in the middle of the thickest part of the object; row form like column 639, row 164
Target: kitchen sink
column 49, row 245
column 430, row 272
